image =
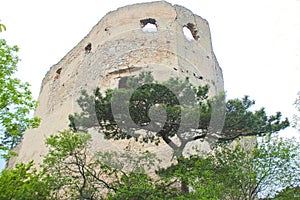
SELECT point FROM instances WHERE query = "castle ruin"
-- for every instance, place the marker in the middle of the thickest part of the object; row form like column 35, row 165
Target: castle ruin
column 146, row 36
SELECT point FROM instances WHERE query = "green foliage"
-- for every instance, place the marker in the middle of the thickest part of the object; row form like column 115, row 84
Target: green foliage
column 235, row 173
column 140, row 186
column 198, row 174
column 131, row 176
column 74, row 173
column 241, row 121
column 277, row 164
column 15, row 100
column 297, row 116
column 71, row 172
column 263, row 169
column 232, row 172
column 131, row 162
column 170, row 111
column 288, row 193
column 23, row 182
column 188, row 113
column 142, row 99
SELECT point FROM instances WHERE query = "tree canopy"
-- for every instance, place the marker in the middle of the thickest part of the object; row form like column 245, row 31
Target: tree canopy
column 173, row 109
column 70, row 171
column 16, row 100
column 169, row 110
column 23, row 182
column 232, row 171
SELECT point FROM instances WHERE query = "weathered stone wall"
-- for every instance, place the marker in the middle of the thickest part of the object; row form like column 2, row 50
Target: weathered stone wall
column 119, row 47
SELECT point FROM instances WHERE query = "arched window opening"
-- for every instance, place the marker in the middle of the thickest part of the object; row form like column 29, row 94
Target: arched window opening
column 148, row 25
column 190, row 32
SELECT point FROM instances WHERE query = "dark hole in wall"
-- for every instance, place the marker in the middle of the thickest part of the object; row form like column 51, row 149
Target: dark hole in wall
column 198, row 76
column 88, row 48
column 193, row 30
column 58, row 71
column 144, row 22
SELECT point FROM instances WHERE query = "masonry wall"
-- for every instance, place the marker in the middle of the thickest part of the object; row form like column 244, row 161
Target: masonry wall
column 119, row 48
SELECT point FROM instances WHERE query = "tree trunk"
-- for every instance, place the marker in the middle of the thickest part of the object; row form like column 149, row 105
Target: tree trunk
column 184, row 184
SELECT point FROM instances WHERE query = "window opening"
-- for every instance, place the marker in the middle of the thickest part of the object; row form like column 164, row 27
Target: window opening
column 148, row 25
column 190, row 32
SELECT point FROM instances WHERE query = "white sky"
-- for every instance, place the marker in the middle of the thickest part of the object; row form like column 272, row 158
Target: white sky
column 257, row 42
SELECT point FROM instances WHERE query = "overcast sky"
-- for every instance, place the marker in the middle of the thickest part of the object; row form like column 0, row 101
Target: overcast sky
column 257, row 42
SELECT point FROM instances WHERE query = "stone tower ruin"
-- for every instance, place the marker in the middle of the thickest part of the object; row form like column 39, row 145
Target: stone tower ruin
column 131, row 39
